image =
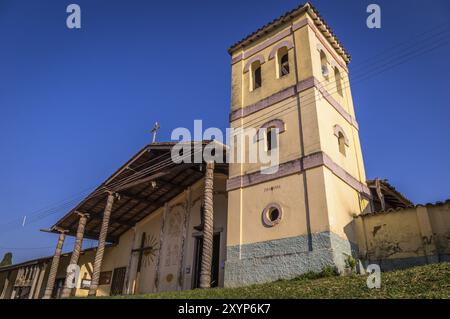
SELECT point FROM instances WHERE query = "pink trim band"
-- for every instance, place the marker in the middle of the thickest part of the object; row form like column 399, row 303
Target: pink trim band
column 277, row 123
column 262, row 104
column 288, row 44
column 258, row 57
column 338, row 129
column 289, row 92
column 298, row 166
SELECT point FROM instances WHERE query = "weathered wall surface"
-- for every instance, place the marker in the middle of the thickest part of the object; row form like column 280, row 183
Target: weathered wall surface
column 403, row 238
column 170, row 266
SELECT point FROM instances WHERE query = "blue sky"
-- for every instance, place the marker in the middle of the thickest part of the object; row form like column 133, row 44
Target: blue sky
column 76, row 104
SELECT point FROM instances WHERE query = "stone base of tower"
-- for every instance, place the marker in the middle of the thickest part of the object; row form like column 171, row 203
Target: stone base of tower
column 285, row 258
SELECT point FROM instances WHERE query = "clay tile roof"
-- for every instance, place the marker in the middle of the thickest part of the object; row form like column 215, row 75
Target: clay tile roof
column 398, row 209
column 288, row 16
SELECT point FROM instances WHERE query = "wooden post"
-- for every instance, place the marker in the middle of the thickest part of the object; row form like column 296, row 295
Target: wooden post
column 55, row 264
column 40, row 281
column 139, row 263
column 13, row 293
column 36, row 273
column 380, row 194
column 161, row 236
column 101, row 246
column 76, row 251
column 128, row 275
column 16, row 282
column 5, row 286
column 208, row 230
column 187, row 214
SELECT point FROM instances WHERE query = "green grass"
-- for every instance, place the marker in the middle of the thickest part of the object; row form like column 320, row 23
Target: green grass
column 431, row 281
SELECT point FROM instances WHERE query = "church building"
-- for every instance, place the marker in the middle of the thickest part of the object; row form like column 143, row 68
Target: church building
column 290, row 74
column 166, row 226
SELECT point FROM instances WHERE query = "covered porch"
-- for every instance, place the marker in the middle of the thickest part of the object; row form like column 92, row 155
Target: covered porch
column 149, row 186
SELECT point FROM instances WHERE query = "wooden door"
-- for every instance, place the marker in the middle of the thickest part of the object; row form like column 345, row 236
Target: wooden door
column 215, row 260
column 118, row 280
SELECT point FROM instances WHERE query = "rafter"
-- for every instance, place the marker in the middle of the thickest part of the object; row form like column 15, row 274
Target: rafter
column 141, row 181
column 141, row 199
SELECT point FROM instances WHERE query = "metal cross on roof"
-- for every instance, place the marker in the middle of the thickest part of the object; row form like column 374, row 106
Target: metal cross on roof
column 155, row 128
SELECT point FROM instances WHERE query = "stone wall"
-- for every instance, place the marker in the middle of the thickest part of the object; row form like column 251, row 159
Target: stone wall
column 284, row 258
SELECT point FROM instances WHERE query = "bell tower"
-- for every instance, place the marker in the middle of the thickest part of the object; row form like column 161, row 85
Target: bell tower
column 290, row 84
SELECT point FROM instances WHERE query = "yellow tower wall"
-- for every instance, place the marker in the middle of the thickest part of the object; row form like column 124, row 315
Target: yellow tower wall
column 316, row 228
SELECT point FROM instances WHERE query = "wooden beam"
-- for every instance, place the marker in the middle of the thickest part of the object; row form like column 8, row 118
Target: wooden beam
column 181, row 169
column 93, row 206
column 141, row 199
column 160, row 204
column 94, row 236
column 169, row 183
column 141, row 181
column 113, row 221
column 123, row 205
column 137, row 196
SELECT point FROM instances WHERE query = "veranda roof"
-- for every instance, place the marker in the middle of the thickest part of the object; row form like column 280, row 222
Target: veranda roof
column 144, row 184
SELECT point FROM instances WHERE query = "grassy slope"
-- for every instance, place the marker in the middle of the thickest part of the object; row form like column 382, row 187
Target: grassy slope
column 431, row 281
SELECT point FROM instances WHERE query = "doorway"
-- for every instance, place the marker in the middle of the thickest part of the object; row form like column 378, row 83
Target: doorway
column 58, row 287
column 118, row 280
column 215, row 261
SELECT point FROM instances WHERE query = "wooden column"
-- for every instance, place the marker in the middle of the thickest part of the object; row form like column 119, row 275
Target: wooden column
column 187, row 214
column 127, row 289
column 161, row 236
column 5, row 286
column 208, row 230
column 101, row 245
column 55, row 264
column 13, row 293
column 76, row 251
column 40, row 281
column 36, row 273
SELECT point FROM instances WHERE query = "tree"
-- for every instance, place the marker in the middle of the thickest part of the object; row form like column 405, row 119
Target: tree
column 7, row 260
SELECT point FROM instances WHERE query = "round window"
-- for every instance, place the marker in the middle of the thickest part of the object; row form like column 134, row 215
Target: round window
column 271, row 215
column 274, row 213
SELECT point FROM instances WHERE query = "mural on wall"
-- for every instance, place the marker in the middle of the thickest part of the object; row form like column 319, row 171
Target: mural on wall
column 171, row 249
column 149, row 254
column 144, row 259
